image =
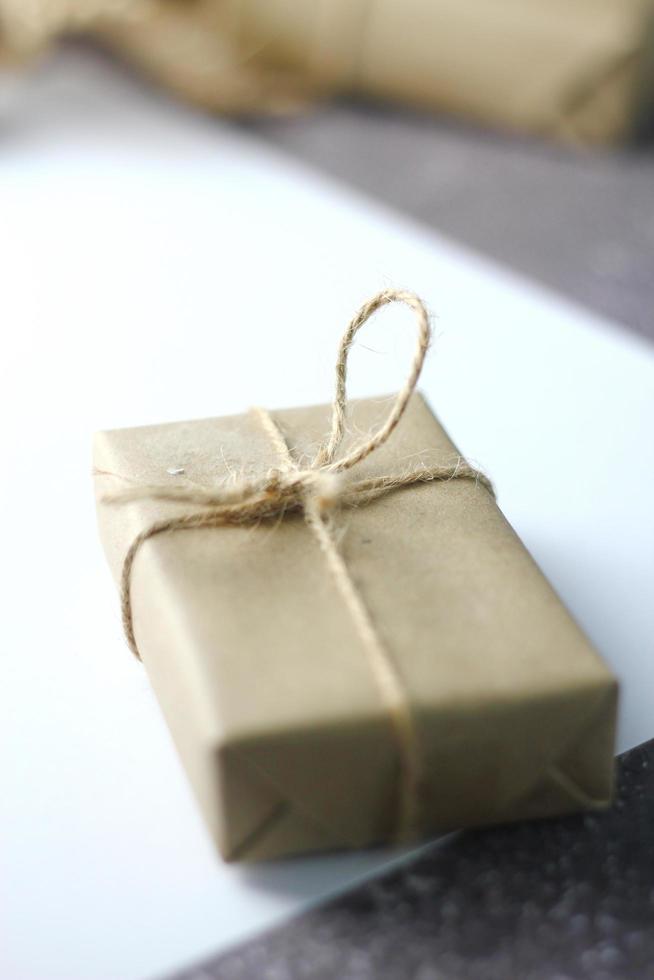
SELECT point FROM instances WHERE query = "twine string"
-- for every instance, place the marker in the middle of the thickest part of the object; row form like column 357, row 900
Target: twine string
column 325, row 455
column 317, row 491
column 320, row 520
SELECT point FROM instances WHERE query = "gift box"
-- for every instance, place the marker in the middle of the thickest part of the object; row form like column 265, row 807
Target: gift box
column 477, row 700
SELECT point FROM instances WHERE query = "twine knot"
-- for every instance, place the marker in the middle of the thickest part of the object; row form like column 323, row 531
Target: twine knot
column 325, row 491
column 315, row 488
column 317, row 491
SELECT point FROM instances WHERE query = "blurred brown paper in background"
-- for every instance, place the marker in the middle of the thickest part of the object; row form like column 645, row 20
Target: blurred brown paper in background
column 581, row 71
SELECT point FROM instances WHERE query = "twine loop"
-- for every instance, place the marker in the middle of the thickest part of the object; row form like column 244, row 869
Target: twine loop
column 318, row 491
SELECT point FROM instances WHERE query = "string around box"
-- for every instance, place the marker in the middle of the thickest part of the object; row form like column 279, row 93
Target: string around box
column 318, row 491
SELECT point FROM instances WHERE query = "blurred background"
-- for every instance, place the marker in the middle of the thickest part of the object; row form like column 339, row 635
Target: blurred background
column 519, row 128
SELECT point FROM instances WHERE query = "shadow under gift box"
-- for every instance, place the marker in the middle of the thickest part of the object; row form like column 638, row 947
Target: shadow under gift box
column 264, row 680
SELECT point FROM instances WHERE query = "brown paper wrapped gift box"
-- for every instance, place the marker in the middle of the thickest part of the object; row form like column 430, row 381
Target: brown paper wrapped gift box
column 260, row 672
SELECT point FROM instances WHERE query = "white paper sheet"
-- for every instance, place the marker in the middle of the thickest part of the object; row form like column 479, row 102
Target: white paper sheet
column 160, row 265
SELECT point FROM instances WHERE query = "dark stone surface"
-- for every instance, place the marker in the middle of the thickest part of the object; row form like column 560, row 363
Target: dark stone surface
column 569, row 899
column 579, row 221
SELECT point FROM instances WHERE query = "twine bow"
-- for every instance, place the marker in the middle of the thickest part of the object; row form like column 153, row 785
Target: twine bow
column 318, row 491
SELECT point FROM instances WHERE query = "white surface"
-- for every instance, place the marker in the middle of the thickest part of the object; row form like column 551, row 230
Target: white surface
column 158, row 265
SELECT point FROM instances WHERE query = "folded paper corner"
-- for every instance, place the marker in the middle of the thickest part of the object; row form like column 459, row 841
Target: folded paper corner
column 261, row 820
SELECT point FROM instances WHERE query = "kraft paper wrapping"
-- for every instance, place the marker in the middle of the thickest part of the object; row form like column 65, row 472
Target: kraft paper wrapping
column 261, row 674
column 580, row 71
column 570, row 70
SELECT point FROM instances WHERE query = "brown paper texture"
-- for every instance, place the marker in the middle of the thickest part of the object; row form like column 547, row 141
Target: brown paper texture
column 570, row 70
column 263, row 679
column 580, row 71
